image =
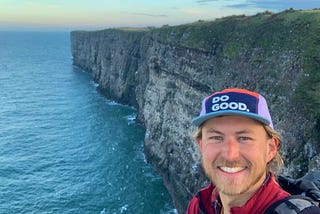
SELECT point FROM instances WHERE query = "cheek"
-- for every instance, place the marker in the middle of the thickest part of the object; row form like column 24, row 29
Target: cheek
column 209, row 152
column 255, row 154
column 261, row 155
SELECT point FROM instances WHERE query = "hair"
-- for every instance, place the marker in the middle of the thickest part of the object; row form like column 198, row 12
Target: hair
column 276, row 164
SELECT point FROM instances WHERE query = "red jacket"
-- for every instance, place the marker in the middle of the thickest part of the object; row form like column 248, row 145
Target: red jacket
column 208, row 199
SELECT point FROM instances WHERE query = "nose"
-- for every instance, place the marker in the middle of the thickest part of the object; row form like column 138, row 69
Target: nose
column 231, row 149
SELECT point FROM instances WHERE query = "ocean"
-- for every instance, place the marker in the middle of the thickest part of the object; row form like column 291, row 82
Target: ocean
column 64, row 148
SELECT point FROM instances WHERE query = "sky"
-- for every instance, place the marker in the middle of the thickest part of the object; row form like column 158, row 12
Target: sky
column 68, row 15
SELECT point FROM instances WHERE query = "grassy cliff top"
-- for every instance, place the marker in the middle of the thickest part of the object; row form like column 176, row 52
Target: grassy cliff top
column 291, row 30
column 246, row 30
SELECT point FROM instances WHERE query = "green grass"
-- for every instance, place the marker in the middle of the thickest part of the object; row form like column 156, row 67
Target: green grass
column 291, row 30
column 308, row 90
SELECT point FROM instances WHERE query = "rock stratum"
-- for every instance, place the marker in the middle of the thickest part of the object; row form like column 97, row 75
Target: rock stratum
column 165, row 72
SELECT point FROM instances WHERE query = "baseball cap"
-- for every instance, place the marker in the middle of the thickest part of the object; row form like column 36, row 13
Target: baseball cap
column 234, row 101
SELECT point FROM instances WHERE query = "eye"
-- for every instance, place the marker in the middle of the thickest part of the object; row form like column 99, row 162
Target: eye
column 244, row 138
column 216, row 138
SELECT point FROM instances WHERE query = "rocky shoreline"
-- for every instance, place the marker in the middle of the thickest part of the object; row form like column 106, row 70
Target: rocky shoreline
column 165, row 72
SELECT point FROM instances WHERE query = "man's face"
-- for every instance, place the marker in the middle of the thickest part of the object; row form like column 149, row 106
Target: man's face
column 235, row 152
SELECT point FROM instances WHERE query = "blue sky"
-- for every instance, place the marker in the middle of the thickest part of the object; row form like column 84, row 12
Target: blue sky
column 61, row 15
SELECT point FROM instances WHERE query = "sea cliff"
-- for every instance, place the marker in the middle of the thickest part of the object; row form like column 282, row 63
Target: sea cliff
column 165, row 72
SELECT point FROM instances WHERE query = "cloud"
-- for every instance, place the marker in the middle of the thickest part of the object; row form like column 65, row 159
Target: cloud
column 202, row 1
column 285, row 4
column 239, row 6
column 149, row 15
column 220, row 1
column 193, row 11
column 276, row 5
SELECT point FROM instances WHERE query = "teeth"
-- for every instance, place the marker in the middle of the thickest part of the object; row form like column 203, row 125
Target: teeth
column 231, row 169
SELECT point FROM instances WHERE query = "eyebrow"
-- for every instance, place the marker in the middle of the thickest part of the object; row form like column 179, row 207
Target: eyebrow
column 211, row 130
column 245, row 131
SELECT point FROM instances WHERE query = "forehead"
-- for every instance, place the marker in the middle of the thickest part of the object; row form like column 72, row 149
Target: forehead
column 232, row 122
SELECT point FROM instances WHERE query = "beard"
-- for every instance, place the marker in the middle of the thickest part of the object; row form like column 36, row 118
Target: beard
column 236, row 185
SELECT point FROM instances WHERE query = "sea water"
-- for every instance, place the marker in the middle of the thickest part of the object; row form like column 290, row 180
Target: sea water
column 64, row 148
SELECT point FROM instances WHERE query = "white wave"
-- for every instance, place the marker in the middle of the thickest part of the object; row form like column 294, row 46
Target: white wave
column 131, row 118
column 112, row 103
column 124, row 208
column 103, row 211
column 95, row 84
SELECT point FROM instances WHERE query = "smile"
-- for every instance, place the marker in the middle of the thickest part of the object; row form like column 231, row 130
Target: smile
column 231, row 169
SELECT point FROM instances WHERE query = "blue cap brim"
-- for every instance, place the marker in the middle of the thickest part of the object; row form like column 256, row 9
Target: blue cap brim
column 198, row 121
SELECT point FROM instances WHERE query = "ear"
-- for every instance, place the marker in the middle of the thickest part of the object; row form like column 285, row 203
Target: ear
column 272, row 148
column 199, row 142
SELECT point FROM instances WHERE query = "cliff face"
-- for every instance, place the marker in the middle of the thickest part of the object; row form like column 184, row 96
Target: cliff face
column 166, row 72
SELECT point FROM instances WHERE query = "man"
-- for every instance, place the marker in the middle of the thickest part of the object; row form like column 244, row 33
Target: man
column 239, row 154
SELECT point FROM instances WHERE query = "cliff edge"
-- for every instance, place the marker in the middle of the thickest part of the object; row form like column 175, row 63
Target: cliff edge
column 165, row 72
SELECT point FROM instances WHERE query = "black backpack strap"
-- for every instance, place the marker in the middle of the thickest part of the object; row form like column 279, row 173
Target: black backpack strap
column 308, row 185
column 293, row 204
